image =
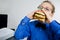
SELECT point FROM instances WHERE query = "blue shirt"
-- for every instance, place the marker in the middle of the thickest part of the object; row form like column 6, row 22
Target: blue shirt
column 33, row 32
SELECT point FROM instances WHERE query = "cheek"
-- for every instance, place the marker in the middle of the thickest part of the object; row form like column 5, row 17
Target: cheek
column 51, row 14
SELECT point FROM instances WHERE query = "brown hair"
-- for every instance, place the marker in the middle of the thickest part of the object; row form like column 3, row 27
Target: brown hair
column 53, row 10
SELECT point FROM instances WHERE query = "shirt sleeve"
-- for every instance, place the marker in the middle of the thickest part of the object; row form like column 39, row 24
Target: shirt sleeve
column 55, row 26
column 23, row 29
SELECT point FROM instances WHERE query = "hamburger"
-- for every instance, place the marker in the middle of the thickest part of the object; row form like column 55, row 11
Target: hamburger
column 40, row 16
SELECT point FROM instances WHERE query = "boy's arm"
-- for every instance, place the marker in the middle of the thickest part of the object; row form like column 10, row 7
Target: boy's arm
column 23, row 29
column 55, row 26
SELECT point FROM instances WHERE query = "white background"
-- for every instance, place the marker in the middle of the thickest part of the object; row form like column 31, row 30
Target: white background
column 17, row 9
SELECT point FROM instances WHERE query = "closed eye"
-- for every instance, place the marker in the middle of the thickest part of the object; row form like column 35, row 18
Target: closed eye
column 47, row 9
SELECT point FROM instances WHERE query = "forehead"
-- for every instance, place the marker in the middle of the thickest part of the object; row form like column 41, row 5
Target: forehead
column 46, row 4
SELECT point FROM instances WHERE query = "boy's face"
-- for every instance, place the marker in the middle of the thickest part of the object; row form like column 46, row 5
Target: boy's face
column 48, row 7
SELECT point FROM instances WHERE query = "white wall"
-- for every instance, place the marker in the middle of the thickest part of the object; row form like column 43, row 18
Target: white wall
column 17, row 9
